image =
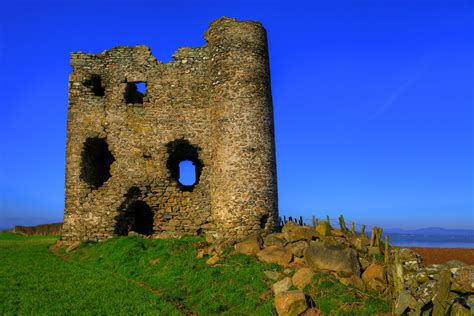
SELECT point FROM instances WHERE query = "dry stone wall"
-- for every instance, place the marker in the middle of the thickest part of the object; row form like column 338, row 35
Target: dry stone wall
column 211, row 105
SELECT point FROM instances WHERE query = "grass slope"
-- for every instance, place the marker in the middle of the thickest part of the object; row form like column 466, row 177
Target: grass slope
column 132, row 275
column 233, row 287
column 33, row 281
column 334, row 298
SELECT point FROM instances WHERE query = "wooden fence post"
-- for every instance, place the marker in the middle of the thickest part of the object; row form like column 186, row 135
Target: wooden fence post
column 372, row 236
column 397, row 273
column 342, row 224
column 379, row 236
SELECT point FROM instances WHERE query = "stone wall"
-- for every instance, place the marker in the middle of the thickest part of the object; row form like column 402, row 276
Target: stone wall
column 211, row 105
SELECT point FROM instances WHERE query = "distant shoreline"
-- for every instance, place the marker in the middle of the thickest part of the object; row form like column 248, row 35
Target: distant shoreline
column 431, row 241
column 434, row 245
column 438, row 238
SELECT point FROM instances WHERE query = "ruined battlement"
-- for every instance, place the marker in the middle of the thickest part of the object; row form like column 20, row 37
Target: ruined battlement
column 132, row 120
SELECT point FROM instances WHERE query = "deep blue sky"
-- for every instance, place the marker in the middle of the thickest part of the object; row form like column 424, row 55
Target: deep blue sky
column 373, row 100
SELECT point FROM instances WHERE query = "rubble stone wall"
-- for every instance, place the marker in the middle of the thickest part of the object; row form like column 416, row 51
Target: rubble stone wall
column 210, row 105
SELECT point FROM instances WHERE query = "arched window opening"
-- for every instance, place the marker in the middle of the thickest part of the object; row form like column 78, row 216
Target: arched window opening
column 184, row 164
column 96, row 160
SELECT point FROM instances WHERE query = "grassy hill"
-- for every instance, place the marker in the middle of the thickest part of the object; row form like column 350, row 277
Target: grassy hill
column 33, row 281
column 132, row 275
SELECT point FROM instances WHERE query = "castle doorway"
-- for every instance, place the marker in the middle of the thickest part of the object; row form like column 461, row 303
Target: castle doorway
column 137, row 217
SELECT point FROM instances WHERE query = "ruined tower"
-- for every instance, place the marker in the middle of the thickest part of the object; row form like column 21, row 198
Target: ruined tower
column 132, row 120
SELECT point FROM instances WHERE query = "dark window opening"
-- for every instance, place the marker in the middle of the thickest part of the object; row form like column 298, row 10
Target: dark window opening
column 95, row 162
column 136, row 217
column 135, row 91
column 95, row 84
column 184, row 164
column 263, row 221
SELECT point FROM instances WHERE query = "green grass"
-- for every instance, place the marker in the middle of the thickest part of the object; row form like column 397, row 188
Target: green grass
column 335, row 298
column 232, row 287
column 33, row 281
column 116, row 277
column 13, row 236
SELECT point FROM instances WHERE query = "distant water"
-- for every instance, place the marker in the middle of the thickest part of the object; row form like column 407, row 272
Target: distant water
column 430, row 241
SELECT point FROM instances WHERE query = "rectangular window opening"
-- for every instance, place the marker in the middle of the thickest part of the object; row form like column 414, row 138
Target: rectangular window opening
column 135, row 92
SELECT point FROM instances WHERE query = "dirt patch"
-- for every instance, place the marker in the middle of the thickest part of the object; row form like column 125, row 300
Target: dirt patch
column 443, row 255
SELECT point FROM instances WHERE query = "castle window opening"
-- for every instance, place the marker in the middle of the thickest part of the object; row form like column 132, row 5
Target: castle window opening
column 184, row 164
column 135, row 91
column 187, row 173
column 137, row 217
column 96, row 160
column 95, row 84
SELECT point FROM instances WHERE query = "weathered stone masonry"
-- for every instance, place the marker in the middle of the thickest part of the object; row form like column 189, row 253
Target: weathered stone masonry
column 211, row 105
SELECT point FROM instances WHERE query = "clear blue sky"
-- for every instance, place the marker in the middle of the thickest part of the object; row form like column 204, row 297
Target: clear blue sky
column 373, row 100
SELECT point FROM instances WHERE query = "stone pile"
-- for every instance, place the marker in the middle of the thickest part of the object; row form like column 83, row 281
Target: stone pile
column 354, row 260
column 303, row 251
column 437, row 289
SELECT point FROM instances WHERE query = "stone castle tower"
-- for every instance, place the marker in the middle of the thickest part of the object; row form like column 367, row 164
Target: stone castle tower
column 132, row 120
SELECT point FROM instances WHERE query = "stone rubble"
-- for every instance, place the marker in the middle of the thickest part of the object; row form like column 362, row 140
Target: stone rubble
column 415, row 289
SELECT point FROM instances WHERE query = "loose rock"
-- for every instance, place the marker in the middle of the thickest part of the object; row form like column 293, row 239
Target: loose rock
column 298, row 248
column 276, row 239
column 403, row 302
column 323, row 228
column 282, row 285
column 294, row 232
column 73, row 246
column 312, row 312
column 213, row 260
column 440, row 299
column 249, row 246
column 302, row 278
column 275, row 254
column 374, row 277
column 343, row 261
column 291, row 303
column 463, row 280
column 220, row 246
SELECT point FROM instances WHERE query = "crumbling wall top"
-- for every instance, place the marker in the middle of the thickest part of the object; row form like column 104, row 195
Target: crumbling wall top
column 224, row 30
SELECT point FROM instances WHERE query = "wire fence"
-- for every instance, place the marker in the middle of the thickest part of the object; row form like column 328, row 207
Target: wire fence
column 306, row 221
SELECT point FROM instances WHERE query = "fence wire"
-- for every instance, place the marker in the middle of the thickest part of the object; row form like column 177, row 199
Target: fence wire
column 334, row 222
